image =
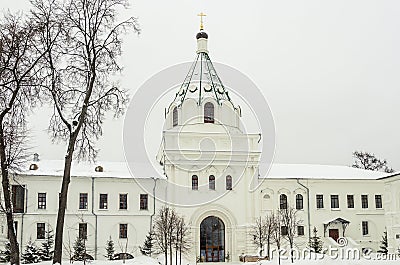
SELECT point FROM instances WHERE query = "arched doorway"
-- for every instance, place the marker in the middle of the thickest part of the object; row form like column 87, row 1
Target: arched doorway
column 212, row 239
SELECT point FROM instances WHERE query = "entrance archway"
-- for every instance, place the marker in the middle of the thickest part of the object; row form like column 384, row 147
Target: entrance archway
column 212, row 239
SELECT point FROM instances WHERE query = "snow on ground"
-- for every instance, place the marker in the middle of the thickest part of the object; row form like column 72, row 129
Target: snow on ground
column 327, row 260
column 140, row 260
column 319, row 260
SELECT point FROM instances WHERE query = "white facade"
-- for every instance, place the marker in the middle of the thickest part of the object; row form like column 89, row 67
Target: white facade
column 196, row 143
column 237, row 209
column 392, row 210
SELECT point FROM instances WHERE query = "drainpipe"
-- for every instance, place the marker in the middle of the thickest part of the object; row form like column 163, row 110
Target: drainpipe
column 95, row 218
column 308, row 208
column 154, row 203
column 22, row 217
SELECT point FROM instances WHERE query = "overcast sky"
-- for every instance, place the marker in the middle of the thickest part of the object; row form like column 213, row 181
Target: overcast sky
column 328, row 69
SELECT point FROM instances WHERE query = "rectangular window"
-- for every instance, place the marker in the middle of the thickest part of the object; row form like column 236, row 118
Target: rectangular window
column 195, row 182
column 18, row 198
column 334, row 201
column 123, row 230
column 40, row 230
column 300, row 230
column 364, row 201
column 123, row 201
column 41, row 200
column 320, row 201
column 284, row 230
column 378, row 201
column 350, row 201
column 143, row 202
column 83, row 201
column 103, row 201
column 364, row 225
column 83, row 230
column 228, row 182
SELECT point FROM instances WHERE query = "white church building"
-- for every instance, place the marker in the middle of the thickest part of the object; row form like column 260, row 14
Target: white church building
column 210, row 187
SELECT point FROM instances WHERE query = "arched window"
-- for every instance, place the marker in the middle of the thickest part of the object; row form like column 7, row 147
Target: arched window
column 208, row 113
column 175, row 117
column 195, row 182
column 283, row 201
column 299, row 201
column 211, row 182
column 228, row 182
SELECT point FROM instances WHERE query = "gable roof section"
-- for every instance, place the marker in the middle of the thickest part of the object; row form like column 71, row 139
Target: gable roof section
column 278, row 171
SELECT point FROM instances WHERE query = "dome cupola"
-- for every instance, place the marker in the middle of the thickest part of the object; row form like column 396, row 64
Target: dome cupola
column 202, row 35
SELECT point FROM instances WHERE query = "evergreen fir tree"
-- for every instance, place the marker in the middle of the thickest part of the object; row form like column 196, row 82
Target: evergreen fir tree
column 384, row 244
column 148, row 244
column 110, row 249
column 5, row 254
column 315, row 243
column 31, row 253
column 79, row 249
column 46, row 251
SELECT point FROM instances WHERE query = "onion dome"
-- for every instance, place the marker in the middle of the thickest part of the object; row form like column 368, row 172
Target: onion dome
column 202, row 35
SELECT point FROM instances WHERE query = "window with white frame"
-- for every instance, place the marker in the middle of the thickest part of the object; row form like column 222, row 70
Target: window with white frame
column 300, row 230
column 283, row 203
column 350, row 201
column 123, row 230
column 40, row 230
column 83, row 201
column 364, row 201
column 41, row 200
column 364, row 228
column 378, row 201
column 211, row 182
column 103, row 201
column 334, row 201
column 299, row 202
column 123, row 201
column 320, row 201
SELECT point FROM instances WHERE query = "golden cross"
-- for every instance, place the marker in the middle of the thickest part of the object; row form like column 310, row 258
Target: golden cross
column 201, row 15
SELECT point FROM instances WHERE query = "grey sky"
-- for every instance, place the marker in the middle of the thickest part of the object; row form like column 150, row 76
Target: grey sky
column 329, row 70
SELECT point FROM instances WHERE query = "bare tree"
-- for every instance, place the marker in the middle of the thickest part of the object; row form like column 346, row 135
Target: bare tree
column 277, row 233
column 291, row 222
column 68, row 249
column 369, row 161
column 259, row 234
column 19, row 92
column 171, row 233
column 162, row 225
column 176, row 243
column 124, row 249
column 182, row 242
column 262, row 232
column 79, row 78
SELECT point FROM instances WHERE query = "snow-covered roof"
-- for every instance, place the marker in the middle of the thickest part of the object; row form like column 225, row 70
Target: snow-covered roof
column 391, row 175
column 313, row 171
column 278, row 171
column 84, row 169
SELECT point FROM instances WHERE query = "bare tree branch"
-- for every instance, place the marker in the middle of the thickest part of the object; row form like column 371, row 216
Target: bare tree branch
column 78, row 73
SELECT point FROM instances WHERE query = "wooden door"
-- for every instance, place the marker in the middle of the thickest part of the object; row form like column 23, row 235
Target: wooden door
column 334, row 233
column 212, row 239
